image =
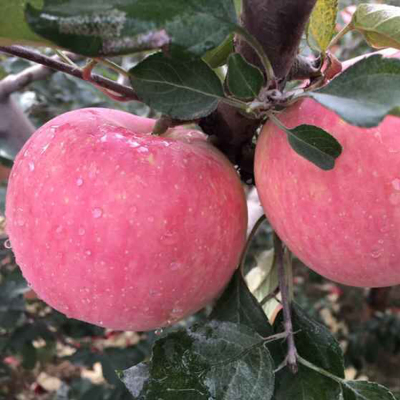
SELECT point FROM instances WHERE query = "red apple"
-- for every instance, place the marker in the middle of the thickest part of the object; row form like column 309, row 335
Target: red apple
column 122, row 229
column 343, row 223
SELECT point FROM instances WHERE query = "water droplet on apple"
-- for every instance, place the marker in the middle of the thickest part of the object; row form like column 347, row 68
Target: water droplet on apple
column 150, row 219
column 81, row 232
column 45, row 148
column 376, row 253
column 396, row 184
column 31, row 166
column 88, row 252
column 20, row 222
column 97, row 212
column 59, row 229
column 175, row 266
column 79, row 182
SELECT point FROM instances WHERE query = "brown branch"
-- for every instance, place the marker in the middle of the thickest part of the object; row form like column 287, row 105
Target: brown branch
column 23, row 52
column 278, row 26
column 291, row 357
column 15, row 82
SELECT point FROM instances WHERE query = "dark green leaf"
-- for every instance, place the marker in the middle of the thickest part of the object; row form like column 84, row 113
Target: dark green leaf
column 361, row 390
column 305, row 385
column 29, row 332
column 84, row 357
column 244, row 80
column 364, row 93
column 379, row 23
column 12, row 303
column 108, row 371
column 99, row 28
column 315, row 145
column 239, row 306
column 29, row 356
column 122, row 358
column 316, row 344
column 214, row 361
column 177, row 88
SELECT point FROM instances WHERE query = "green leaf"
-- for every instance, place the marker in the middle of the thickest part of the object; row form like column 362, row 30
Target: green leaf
column 365, row 92
column 29, row 356
column 214, row 361
column 316, row 344
column 239, row 306
column 362, row 390
column 244, row 80
column 177, row 88
column 313, row 143
column 379, row 23
column 321, row 26
column 99, row 28
column 13, row 27
column 217, row 57
column 305, row 385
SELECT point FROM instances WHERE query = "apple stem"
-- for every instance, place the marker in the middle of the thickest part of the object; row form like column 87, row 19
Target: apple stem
column 347, row 28
column 291, row 357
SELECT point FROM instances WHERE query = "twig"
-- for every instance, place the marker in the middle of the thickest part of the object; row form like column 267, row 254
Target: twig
column 291, row 358
column 15, row 82
column 126, row 92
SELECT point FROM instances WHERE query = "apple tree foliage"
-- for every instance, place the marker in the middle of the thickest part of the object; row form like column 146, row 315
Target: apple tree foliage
column 186, row 68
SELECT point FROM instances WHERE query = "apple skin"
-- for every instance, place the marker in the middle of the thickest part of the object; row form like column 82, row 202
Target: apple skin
column 125, row 230
column 343, row 223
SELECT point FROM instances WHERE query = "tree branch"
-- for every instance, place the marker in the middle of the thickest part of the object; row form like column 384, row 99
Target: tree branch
column 126, row 92
column 15, row 82
column 278, row 26
column 291, row 357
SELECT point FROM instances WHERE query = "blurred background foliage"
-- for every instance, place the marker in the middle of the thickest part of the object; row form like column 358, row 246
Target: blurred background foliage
column 46, row 356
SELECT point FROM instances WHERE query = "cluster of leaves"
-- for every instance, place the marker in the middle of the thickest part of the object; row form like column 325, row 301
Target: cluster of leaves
column 237, row 354
column 184, row 84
